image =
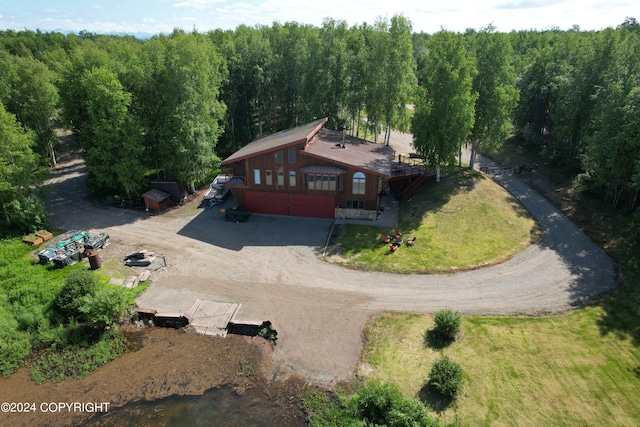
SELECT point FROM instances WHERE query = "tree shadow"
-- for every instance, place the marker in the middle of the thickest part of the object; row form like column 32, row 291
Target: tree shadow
column 431, row 397
column 433, row 340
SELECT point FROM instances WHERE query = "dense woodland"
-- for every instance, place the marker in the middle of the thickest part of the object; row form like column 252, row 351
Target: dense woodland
column 173, row 105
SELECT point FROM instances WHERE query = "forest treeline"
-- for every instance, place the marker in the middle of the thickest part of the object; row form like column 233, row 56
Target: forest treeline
column 173, row 105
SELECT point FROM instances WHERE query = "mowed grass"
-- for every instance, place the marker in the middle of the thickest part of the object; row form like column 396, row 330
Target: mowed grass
column 466, row 221
column 559, row 371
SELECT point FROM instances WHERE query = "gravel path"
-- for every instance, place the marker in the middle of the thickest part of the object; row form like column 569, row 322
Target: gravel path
column 271, row 265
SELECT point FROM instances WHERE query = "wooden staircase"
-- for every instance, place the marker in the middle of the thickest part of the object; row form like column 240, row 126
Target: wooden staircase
column 410, row 187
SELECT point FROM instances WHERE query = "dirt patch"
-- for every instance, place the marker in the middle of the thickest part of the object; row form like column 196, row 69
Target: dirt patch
column 168, row 362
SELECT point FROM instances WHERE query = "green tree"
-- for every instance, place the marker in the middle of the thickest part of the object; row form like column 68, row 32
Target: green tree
column 444, row 111
column 377, row 50
column 494, row 83
column 110, row 135
column 32, row 97
column 20, row 171
column 400, row 75
column 180, row 110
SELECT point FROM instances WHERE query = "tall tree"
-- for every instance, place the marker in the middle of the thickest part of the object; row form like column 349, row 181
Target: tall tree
column 182, row 115
column 445, row 105
column 20, row 172
column 111, row 137
column 377, row 48
column 612, row 155
column 494, row 83
column 32, row 97
column 400, row 75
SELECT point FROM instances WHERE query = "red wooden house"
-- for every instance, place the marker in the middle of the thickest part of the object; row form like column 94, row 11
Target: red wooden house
column 310, row 171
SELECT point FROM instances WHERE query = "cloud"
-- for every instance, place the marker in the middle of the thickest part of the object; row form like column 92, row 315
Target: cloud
column 197, row 4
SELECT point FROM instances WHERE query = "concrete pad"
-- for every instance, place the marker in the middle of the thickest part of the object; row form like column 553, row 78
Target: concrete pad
column 211, row 318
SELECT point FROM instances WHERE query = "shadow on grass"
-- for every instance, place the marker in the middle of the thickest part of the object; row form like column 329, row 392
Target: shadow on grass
column 432, row 196
column 622, row 307
column 432, row 340
column 430, row 396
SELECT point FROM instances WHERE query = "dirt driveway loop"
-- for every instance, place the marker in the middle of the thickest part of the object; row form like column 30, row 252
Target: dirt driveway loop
column 272, row 267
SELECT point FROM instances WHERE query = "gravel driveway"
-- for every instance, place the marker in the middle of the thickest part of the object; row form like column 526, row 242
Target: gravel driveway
column 272, row 266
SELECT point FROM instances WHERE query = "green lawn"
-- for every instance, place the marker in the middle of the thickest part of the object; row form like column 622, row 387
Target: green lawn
column 560, row 371
column 464, row 222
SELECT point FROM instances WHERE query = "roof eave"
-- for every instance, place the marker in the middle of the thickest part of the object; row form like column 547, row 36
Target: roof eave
column 347, row 165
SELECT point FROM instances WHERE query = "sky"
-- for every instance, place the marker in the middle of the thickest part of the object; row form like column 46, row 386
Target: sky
column 162, row 16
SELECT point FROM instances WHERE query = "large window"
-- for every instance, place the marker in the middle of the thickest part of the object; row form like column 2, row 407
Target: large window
column 324, row 182
column 256, row 176
column 280, row 178
column 292, row 178
column 292, row 154
column 268, row 177
column 359, row 181
column 279, row 156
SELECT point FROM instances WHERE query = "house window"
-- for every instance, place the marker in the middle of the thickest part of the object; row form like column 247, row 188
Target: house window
column 358, row 183
column 268, row 177
column 355, row 204
column 332, row 183
column 292, row 178
column 280, row 178
column 324, row 182
column 292, row 154
column 279, row 156
column 256, row 176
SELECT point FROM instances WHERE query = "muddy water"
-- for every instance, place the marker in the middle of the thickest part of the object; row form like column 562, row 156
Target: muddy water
column 220, row 407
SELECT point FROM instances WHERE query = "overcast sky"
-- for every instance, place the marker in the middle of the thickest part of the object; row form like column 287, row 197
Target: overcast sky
column 155, row 16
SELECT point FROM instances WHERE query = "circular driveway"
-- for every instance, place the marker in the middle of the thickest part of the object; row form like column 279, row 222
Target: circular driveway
column 272, row 266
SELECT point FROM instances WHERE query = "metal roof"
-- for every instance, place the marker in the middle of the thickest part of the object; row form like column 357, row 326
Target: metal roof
column 277, row 141
column 357, row 153
column 323, row 170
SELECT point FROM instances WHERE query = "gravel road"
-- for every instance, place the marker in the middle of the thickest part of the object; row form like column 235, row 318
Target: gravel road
column 272, row 266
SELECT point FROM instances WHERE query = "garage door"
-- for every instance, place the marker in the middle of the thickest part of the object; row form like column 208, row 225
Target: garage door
column 267, row 203
column 312, row 206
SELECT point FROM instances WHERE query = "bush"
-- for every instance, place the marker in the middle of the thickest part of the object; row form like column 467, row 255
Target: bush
column 374, row 404
column 447, row 324
column 77, row 362
column 27, row 215
column 446, row 376
column 79, row 284
column 102, row 309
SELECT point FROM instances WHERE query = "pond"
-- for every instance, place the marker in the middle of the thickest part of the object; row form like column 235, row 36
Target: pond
column 221, row 407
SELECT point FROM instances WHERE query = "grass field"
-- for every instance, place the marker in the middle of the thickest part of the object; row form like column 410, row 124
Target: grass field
column 464, row 222
column 559, row 371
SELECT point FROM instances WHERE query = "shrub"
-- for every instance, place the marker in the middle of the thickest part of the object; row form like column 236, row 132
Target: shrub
column 447, row 324
column 77, row 362
column 102, row 309
column 27, row 215
column 374, row 404
column 446, row 376
column 79, row 284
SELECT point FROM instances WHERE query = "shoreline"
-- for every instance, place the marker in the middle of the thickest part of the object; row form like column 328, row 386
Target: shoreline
column 167, row 363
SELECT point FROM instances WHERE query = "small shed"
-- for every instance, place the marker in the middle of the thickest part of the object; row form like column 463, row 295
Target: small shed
column 173, row 188
column 156, row 200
